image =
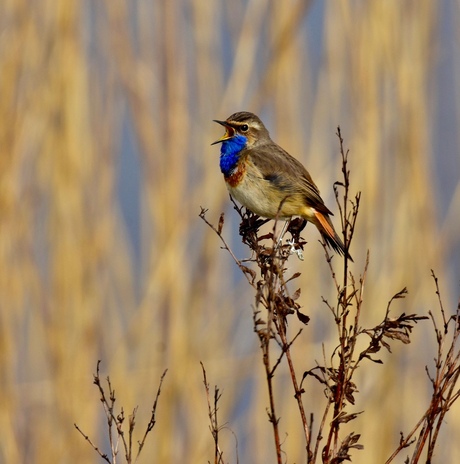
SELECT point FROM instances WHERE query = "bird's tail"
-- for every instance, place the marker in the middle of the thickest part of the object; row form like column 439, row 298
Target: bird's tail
column 325, row 227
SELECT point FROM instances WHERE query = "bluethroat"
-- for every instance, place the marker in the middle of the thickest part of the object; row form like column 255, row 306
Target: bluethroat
column 267, row 180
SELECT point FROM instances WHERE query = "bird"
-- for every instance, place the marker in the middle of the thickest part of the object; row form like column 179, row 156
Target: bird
column 267, row 180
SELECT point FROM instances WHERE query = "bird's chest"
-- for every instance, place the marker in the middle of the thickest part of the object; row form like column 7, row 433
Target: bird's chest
column 238, row 182
column 244, row 181
column 247, row 187
column 236, row 176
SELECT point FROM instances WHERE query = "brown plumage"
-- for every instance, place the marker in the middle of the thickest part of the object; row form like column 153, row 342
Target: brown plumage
column 261, row 176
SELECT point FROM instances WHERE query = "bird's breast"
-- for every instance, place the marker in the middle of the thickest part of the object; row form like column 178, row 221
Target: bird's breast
column 236, row 176
column 248, row 188
column 261, row 195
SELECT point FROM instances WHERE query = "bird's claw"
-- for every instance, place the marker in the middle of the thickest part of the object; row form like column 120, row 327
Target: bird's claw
column 295, row 249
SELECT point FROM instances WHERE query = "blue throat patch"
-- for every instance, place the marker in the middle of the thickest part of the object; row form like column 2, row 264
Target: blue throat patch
column 229, row 153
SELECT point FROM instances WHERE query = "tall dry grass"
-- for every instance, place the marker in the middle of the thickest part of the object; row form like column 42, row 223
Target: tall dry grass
column 82, row 81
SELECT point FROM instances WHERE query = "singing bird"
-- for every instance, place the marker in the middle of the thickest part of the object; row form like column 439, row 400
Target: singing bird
column 266, row 179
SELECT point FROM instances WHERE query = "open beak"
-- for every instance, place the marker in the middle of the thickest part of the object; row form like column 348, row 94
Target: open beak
column 229, row 131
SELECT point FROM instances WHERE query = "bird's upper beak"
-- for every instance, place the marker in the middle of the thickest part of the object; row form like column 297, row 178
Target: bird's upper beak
column 229, row 131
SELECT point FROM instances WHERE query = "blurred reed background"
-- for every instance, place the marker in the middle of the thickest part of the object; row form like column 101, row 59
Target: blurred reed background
column 106, row 112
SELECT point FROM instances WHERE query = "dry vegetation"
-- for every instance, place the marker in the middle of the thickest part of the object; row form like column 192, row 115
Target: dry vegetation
column 112, row 96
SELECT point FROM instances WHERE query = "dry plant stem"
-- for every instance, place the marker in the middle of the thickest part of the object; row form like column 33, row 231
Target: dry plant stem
column 265, row 337
column 212, row 414
column 286, row 348
column 297, row 390
column 98, row 451
column 265, row 294
column 444, row 383
column 320, row 431
column 265, row 345
column 152, row 420
column 341, row 312
column 275, row 285
column 108, row 404
column 218, row 231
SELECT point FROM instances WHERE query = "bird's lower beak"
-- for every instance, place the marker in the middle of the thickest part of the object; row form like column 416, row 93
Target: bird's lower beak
column 229, row 132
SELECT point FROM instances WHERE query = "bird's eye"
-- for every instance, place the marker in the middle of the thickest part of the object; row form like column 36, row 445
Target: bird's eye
column 244, row 128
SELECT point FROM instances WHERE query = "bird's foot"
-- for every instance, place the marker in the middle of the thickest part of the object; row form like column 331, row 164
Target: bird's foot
column 295, row 249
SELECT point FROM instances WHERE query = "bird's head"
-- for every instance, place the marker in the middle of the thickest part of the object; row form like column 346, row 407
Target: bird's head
column 243, row 128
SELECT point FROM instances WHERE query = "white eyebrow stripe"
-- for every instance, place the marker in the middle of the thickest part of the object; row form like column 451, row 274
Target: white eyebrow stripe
column 254, row 124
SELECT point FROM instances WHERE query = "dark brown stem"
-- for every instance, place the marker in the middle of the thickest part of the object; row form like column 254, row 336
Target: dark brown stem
column 297, row 391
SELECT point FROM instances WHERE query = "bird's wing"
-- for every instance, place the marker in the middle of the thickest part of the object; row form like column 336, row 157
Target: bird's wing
column 286, row 173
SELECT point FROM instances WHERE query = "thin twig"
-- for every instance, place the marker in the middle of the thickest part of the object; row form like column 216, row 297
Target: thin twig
column 152, row 420
column 212, row 414
column 95, row 448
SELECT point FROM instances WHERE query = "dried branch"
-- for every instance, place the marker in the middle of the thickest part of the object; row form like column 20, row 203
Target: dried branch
column 212, row 414
column 444, row 383
column 95, row 448
column 152, row 420
column 114, row 436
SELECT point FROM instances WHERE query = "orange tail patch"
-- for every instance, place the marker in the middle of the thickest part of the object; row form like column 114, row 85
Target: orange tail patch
column 326, row 229
column 325, row 225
